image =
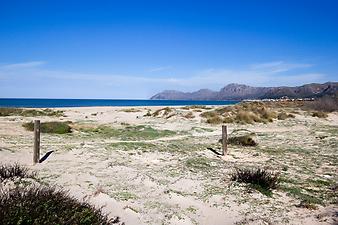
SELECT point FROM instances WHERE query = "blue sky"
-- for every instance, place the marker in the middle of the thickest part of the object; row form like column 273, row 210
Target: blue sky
column 133, row 49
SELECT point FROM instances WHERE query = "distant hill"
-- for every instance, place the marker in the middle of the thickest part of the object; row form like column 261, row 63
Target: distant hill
column 241, row 92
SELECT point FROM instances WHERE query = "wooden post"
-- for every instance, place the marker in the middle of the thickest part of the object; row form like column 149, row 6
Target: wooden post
column 36, row 152
column 224, row 139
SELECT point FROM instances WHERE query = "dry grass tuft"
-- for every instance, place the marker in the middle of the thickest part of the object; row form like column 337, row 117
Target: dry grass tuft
column 189, row 115
column 164, row 112
column 243, row 113
column 284, row 116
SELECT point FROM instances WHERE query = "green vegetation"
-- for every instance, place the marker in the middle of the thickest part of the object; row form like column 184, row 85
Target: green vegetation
column 46, row 205
column 14, row 171
column 299, row 193
column 37, row 204
column 50, row 127
column 199, row 163
column 30, row 112
column 128, row 146
column 259, row 179
column 140, row 132
column 124, row 196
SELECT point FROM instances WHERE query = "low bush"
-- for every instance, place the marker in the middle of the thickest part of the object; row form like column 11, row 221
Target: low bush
column 14, row 171
column 325, row 104
column 50, row 127
column 46, row 205
column 319, row 114
column 259, row 179
column 245, row 140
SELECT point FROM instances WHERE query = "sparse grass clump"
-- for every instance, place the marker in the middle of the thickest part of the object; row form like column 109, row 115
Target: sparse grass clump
column 214, row 120
column 199, row 163
column 164, row 112
column 189, row 115
column 148, row 113
column 188, row 107
column 46, row 205
column 50, row 127
column 129, row 146
column 30, row 112
column 259, row 179
column 130, row 110
column 319, row 114
column 284, row 116
column 14, row 171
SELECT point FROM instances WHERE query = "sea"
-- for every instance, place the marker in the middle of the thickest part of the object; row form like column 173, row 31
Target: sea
column 59, row 103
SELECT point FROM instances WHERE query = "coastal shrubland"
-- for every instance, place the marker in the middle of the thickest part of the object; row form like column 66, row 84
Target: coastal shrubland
column 30, row 112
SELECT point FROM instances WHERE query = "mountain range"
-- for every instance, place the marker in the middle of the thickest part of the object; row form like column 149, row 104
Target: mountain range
column 235, row 91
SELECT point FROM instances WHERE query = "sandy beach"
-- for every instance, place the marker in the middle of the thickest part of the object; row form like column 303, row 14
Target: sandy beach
column 158, row 169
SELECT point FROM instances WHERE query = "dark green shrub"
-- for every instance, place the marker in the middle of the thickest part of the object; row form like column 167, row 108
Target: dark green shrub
column 46, row 205
column 14, row 171
column 50, row 127
column 259, row 179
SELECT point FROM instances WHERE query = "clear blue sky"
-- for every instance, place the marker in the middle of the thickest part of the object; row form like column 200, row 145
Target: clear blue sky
column 133, row 49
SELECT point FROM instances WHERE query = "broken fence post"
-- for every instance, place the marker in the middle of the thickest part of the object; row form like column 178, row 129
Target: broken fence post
column 224, row 139
column 36, row 150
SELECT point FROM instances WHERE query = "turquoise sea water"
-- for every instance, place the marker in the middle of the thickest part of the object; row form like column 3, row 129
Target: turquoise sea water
column 51, row 103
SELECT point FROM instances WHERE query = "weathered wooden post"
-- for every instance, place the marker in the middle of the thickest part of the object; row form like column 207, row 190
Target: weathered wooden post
column 36, row 150
column 224, row 139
